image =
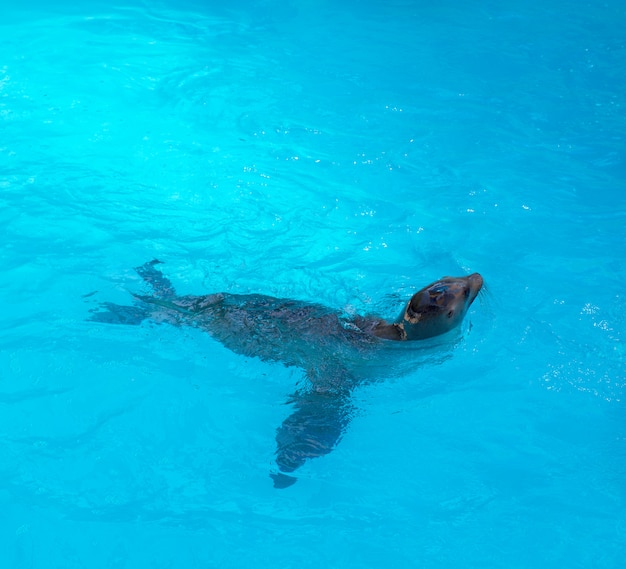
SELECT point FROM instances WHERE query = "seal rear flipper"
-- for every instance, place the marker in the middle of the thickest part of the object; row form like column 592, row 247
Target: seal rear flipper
column 314, row 429
column 160, row 284
column 118, row 314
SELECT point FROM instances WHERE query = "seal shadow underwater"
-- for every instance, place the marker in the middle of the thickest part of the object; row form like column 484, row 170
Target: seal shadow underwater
column 334, row 351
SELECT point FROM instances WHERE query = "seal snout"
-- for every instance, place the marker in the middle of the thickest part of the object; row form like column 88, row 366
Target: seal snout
column 475, row 281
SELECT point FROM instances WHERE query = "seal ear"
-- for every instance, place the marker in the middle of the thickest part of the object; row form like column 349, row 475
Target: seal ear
column 412, row 312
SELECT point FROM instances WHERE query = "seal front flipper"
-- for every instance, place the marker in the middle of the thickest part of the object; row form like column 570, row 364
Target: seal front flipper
column 313, row 429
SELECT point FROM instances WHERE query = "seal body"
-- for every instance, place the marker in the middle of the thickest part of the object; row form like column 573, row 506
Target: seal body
column 333, row 350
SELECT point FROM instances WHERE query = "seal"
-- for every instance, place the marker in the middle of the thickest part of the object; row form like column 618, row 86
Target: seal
column 334, row 350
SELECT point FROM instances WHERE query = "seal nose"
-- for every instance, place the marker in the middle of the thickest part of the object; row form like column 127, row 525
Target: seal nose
column 475, row 281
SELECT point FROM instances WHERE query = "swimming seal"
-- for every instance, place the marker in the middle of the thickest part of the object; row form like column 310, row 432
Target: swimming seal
column 334, row 350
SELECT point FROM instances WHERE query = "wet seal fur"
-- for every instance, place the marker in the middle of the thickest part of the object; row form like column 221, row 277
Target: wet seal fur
column 335, row 351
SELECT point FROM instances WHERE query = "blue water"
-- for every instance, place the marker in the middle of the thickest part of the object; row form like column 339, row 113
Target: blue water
column 342, row 153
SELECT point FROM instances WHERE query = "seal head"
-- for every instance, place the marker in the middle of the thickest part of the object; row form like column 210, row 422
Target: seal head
column 434, row 310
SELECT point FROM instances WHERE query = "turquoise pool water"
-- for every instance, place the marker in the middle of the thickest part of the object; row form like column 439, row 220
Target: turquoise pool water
column 346, row 155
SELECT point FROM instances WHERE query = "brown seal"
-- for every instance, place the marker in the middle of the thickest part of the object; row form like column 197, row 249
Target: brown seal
column 336, row 352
